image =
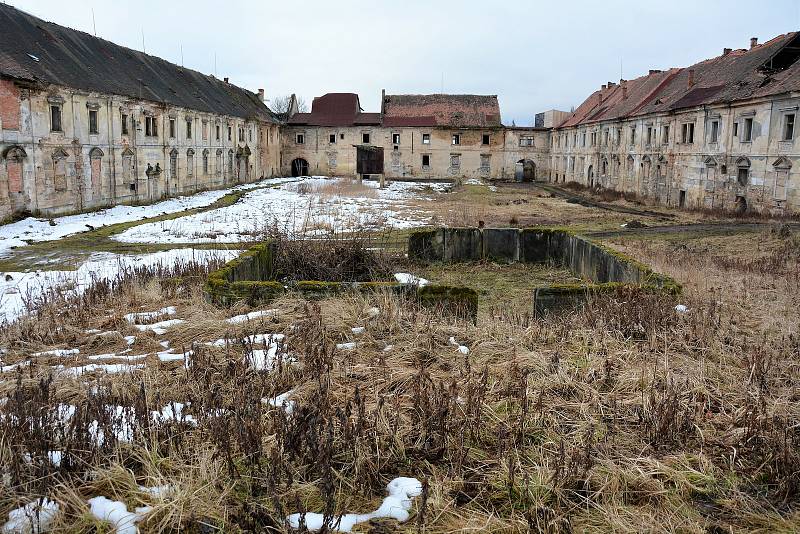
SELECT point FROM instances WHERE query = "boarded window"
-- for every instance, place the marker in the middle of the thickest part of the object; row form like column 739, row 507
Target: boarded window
column 173, row 165
column 127, row 168
column 190, row 164
column 455, row 160
column 96, row 168
column 485, row 158
column 14, row 170
column 60, row 173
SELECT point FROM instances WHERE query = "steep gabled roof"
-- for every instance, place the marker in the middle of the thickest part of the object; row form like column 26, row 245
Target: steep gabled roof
column 459, row 111
column 37, row 51
column 335, row 109
column 765, row 70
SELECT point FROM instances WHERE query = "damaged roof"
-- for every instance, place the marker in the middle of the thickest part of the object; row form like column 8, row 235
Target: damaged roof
column 767, row 69
column 455, row 111
column 336, row 109
column 38, row 51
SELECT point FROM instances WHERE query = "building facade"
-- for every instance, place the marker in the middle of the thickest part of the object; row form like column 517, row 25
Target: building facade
column 422, row 136
column 718, row 135
column 85, row 123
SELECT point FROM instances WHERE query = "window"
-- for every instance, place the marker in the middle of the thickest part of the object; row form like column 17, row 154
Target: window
column 300, row 139
column 583, row 139
column 455, row 160
column 93, row 121
column 426, row 160
column 395, row 138
column 665, row 134
column 60, row 171
column 747, row 132
column 426, row 139
column 633, row 135
column 230, row 133
column 605, row 138
column 55, row 118
column 736, row 129
column 526, row 140
column 205, row 130
column 217, row 132
column 172, row 128
column 190, row 163
column 619, row 135
column 341, row 136
column 150, row 126
column 788, row 127
column 173, row 164
column 205, row 162
column 714, row 136
column 365, row 138
column 188, row 128
column 594, row 139
column 485, row 140
column 124, row 120
column 485, row 158
column 332, row 139
column 456, row 139
column 649, row 135
column 687, row 133
column 743, row 171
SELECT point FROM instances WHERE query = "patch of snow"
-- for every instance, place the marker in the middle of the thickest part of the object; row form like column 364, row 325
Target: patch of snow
column 116, row 513
column 373, row 312
column 157, row 492
column 463, row 349
column 34, row 517
column 396, row 505
column 149, row 317
column 237, row 319
column 282, row 401
column 58, row 352
column 173, row 412
column 14, row 366
column 24, row 287
column 681, row 308
column 160, row 328
column 109, row 368
column 130, row 340
column 388, row 348
column 266, row 359
column 114, row 356
column 358, row 330
column 346, row 346
column 410, row 279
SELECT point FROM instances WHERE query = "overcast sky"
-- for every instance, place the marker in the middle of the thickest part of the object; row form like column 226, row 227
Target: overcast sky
column 534, row 55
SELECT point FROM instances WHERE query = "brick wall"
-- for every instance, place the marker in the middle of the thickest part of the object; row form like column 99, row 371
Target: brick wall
column 9, row 105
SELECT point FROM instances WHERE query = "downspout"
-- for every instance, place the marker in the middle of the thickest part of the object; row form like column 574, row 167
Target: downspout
column 113, row 184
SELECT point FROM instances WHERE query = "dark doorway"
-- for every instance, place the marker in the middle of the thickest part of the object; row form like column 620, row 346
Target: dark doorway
column 741, row 205
column 369, row 160
column 682, row 199
column 525, row 171
column 299, row 167
column 590, row 175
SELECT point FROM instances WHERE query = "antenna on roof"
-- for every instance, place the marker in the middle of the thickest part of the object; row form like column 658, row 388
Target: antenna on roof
column 94, row 25
column 143, row 48
column 181, row 55
column 620, row 67
column 215, row 63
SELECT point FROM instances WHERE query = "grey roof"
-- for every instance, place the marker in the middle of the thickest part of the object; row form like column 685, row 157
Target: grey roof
column 39, row 51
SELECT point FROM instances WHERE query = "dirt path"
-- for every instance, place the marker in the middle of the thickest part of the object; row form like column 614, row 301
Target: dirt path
column 577, row 198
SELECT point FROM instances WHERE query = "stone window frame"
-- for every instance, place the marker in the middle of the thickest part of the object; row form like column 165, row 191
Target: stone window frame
column 426, row 167
column 366, row 137
column 150, row 124
column 300, row 138
column 488, row 160
column 785, row 114
column 455, row 139
column 205, row 161
column 687, row 132
column 332, row 138
column 396, row 135
column 455, row 160
column 93, row 117
column 426, row 138
column 59, row 157
column 743, row 171
column 528, row 140
column 190, row 162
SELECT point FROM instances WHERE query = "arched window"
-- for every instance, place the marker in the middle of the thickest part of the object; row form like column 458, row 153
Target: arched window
column 14, row 156
column 604, row 167
column 127, row 166
column 743, row 171
column 230, row 163
column 190, row 162
column 96, row 161
column 205, row 161
column 173, row 164
column 631, row 168
column 60, row 170
column 218, row 162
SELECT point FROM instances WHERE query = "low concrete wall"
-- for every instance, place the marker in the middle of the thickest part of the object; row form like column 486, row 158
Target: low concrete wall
column 604, row 268
column 251, row 278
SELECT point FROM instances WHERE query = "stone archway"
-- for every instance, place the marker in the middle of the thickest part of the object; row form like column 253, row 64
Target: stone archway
column 299, row 167
column 525, row 171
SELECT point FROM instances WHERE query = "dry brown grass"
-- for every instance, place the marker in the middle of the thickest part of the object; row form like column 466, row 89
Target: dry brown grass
column 623, row 417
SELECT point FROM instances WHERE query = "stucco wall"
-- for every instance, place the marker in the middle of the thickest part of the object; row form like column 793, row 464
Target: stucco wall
column 108, row 151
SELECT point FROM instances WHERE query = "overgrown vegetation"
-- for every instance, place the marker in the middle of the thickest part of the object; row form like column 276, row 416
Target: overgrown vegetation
column 625, row 416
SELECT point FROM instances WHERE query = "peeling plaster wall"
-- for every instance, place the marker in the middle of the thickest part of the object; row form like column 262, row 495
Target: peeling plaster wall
column 94, row 163
column 705, row 171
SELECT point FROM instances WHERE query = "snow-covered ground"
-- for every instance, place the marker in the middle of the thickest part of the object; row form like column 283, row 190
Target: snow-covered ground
column 17, row 288
column 40, row 229
column 311, row 206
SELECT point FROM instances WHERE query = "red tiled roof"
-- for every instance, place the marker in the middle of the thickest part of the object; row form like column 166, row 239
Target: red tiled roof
column 737, row 75
column 331, row 109
column 446, row 110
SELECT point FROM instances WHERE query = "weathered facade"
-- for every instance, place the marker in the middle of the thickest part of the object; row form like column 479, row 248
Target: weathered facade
column 85, row 123
column 422, row 136
column 720, row 134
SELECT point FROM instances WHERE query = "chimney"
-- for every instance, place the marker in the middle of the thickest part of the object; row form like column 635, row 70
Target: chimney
column 624, row 91
column 261, row 94
column 654, row 71
column 753, row 42
column 690, row 81
column 726, row 51
column 225, row 79
column 603, row 87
